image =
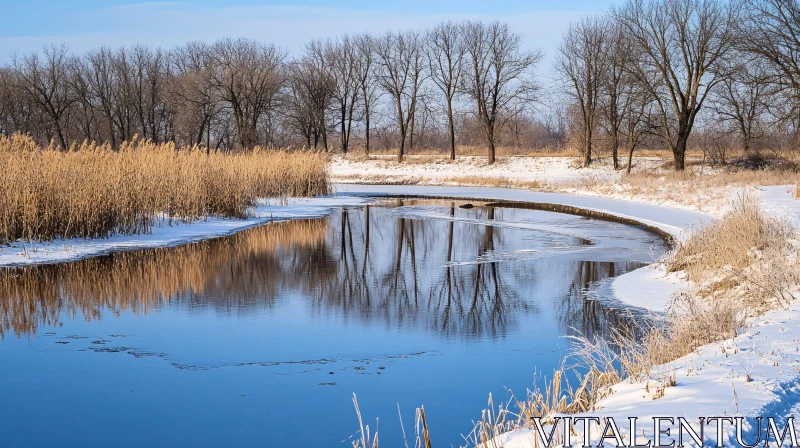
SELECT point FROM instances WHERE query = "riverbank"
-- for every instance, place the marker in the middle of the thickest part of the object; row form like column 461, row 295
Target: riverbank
column 22, row 253
column 703, row 188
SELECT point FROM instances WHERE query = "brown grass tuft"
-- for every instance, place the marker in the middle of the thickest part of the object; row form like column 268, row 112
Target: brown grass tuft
column 746, row 252
column 93, row 191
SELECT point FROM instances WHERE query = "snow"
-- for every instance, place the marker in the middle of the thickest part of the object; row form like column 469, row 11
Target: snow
column 754, row 374
column 780, row 201
column 650, row 288
column 674, row 222
column 27, row 253
column 436, row 170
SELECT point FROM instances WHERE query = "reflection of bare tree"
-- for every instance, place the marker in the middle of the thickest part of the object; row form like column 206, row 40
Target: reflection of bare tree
column 365, row 263
column 583, row 315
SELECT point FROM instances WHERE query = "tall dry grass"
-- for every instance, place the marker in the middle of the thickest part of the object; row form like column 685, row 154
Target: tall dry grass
column 747, row 252
column 93, row 191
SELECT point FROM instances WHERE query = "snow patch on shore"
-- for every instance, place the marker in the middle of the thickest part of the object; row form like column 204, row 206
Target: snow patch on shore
column 22, row 253
column 651, row 288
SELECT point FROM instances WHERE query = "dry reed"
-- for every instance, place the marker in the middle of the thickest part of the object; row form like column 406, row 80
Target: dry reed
column 93, row 191
column 746, row 251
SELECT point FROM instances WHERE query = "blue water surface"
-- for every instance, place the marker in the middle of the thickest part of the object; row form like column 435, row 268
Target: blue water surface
column 262, row 338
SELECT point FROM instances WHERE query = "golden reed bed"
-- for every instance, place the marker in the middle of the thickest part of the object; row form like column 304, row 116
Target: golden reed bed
column 93, row 191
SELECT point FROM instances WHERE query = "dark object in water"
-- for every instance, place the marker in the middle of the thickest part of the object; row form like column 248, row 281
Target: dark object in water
column 466, row 206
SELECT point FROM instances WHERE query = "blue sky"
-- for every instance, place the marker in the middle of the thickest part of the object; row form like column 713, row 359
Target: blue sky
column 84, row 24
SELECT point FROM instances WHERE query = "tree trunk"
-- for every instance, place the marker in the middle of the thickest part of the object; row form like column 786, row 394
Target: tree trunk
column 62, row 140
column 679, row 152
column 630, row 158
column 366, row 121
column 344, row 132
column 615, row 150
column 411, row 133
column 490, row 147
column 587, row 146
column 451, row 129
column 366, row 133
column 403, row 129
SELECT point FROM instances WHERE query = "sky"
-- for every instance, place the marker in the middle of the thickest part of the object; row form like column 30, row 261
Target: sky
column 85, row 24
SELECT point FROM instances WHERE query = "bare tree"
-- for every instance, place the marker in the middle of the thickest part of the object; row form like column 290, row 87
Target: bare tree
column 638, row 107
column 681, row 42
column 311, row 90
column 247, row 77
column 100, row 78
column 123, row 94
column 740, row 99
column 583, row 61
column 148, row 79
column 45, row 80
column 86, row 112
column 367, row 81
column 614, row 88
column 15, row 110
column 771, row 31
column 344, row 60
column 499, row 78
column 445, row 53
column 401, row 75
column 191, row 89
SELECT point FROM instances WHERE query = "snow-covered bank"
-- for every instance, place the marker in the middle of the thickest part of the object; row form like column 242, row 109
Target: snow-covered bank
column 23, row 253
column 440, row 171
column 553, row 174
column 672, row 221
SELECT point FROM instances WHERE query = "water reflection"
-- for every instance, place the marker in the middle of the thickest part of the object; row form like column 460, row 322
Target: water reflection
column 580, row 315
column 231, row 334
column 449, row 276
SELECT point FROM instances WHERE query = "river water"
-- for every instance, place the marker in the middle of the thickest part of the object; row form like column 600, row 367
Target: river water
column 262, row 338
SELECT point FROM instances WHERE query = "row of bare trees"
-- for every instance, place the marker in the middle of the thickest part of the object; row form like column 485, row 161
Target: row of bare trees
column 658, row 69
column 243, row 93
column 660, row 73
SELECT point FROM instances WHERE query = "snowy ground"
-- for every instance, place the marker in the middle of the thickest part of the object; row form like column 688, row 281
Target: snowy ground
column 440, row 171
column 554, row 174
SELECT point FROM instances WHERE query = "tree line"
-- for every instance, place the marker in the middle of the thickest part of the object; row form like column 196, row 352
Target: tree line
column 655, row 70
column 241, row 93
column 660, row 73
